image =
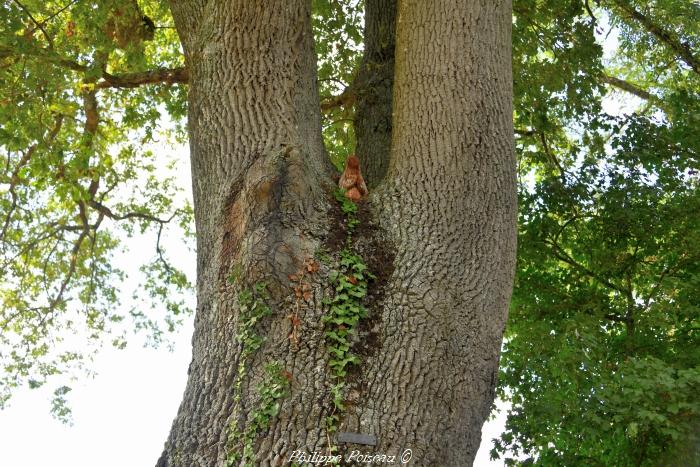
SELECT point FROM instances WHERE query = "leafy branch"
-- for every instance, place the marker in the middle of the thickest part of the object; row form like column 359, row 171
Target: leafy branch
column 666, row 37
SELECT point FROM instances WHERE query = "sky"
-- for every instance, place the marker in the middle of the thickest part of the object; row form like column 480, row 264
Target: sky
column 122, row 416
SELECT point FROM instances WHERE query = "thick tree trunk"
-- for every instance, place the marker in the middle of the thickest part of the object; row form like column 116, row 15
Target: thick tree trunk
column 257, row 169
column 430, row 344
column 449, row 204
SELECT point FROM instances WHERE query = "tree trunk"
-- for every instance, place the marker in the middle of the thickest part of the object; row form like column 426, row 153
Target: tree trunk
column 429, row 345
column 373, row 89
column 258, row 167
column 449, row 204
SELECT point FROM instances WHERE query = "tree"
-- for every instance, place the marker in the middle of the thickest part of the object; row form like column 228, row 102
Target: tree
column 600, row 358
column 317, row 315
column 288, row 349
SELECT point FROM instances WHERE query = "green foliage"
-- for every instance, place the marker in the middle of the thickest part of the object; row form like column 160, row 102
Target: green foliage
column 344, row 311
column 600, row 359
column 349, row 210
column 252, row 309
column 273, row 388
column 72, row 195
column 337, row 26
column 601, row 353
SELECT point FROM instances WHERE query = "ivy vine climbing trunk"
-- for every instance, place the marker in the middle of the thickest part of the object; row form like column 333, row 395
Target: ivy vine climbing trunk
column 439, row 231
column 258, row 166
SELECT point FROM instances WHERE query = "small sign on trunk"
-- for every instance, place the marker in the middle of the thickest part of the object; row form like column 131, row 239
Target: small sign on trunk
column 357, row 438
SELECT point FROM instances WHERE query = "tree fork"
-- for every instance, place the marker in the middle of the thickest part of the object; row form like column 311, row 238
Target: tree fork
column 447, row 205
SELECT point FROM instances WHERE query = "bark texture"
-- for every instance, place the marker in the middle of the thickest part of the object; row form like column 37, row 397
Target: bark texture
column 373, row 90
column 446, row 207
column 257, row 168
column 449, row 204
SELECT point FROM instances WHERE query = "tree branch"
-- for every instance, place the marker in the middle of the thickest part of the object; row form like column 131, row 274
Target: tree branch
column 58, row 298
column 58, row 12
column 46, row 55
column 628, row 87
column 562, row 255
column 101, row 208
column 550, row 155
column 345, row 99
column 24, row 160
column 590, row 12
column 39, row 25
column 681, row 49
column 520, row 132
column 124, row 80
column 107, row 212
column 133, row 80
column 91, row 111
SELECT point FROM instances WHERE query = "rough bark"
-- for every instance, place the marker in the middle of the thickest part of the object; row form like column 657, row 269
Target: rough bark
column 373, row 89
column 449, row 205
column 257, row 169
column 447, row 208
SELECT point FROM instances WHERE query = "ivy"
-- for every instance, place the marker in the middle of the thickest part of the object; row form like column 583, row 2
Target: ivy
column 274, row 387
column 252, row 309
column 344, row 310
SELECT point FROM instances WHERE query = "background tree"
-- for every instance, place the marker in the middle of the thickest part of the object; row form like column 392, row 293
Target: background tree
column 601, row 357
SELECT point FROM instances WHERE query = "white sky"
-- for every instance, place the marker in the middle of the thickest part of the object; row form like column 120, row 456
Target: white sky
column 121, row 417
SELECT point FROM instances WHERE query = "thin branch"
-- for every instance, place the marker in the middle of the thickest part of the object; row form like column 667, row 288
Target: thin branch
column 41, row 53
column 124, row 80
column 37, row 23
column 681, row 49
column 520, row 132
column 345, row 99
column 104, row 210
column 628, row 87
column 590, row 13
column 24, row 160
column 53, row 15
column 71, row 270
column 101, row 208
column 133, row 80
column 335, row 80
column 560, row 254
column 616, row 318
column 159, row 250
column 550, row 155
